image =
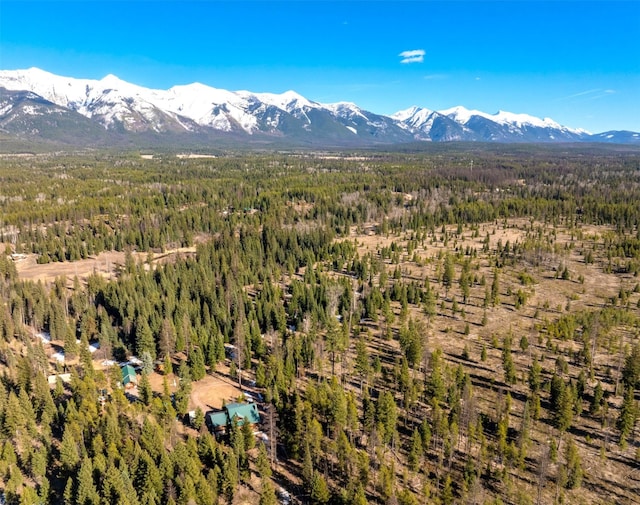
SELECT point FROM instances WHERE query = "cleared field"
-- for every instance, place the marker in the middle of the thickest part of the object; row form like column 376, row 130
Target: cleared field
column 106, row 264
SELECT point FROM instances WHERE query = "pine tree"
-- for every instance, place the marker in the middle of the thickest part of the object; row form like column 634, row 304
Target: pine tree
column 319, row 489
column 563, row 415
column 87, row 493
column 307, row 467
column 144, row 338
column 68, row 493
column 631, row 370
column 196, row 364
column 181, row 396
column 573, row 466
column 415, row 451
column 247, row 435
column 535, row 376
column 167, row 339
column 230, row 477
column 144, row 390
column 267, row 493
column 29, row 496
column 69, row 453
column 507, row 362
column 429, row 303
column 334, row 343
column 628, row 416
column 495, row 289
column 359, row 497
column 70, row 344
column 168, row 366
column 447, row 491
column 448, row 273
column 262, row 463
column 198, row 420
column 14, row 416
column 386, row 415
column 362, row 358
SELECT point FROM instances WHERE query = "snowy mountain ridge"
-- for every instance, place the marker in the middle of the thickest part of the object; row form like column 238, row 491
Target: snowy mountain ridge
column 464, row 115
column 124, row 107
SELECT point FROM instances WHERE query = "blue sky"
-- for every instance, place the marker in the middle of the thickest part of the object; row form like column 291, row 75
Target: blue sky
column 577, row 62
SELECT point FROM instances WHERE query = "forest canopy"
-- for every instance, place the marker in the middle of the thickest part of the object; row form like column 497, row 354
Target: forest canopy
column 447, row 326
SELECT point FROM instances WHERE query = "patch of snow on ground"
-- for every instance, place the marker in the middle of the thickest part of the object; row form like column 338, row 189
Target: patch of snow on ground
column 44, row 336
column 352, row 129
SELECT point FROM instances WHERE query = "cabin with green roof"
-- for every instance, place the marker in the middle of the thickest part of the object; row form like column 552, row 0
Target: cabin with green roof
column 219, row 422
column 129, row 377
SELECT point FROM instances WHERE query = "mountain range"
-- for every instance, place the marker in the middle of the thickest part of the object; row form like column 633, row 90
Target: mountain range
column 39, row 106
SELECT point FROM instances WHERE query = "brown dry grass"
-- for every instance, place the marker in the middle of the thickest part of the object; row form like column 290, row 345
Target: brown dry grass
column 607, row 480
column 212, row 392
column 106, row 264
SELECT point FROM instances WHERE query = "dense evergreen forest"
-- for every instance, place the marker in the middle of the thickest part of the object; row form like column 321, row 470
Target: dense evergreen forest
column 447, row 326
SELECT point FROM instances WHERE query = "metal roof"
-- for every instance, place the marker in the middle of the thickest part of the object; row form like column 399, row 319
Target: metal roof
column 240, row 411
column 237, row 412
column 217, row 420
column 129, row 375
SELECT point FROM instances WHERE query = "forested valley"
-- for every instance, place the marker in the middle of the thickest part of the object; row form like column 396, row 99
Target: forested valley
column 457, row 325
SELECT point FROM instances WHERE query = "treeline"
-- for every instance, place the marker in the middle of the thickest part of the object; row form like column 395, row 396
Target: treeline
column 64, row 209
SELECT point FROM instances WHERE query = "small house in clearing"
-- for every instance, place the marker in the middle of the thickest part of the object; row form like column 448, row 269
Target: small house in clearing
column 219, row 422
column 129, row 377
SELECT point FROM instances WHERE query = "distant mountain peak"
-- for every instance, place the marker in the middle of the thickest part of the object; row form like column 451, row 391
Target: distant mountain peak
column 461, row 114
column 110, row 78
column 401, row 115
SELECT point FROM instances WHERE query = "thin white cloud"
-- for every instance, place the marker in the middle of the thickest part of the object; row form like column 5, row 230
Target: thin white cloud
column 433, row 77
column 581, row 93
column 603, row 93
column 412, row 56
column 590, row 94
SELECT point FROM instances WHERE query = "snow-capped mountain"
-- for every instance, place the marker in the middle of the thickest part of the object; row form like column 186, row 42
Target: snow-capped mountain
column 464, row 124
column 427, row 124
column 27, row 115
column 509, row 124
column 121, row 106
column 33, row 101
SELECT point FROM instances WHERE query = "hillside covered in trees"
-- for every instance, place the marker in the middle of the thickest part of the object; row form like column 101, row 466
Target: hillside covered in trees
column 458, row 325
